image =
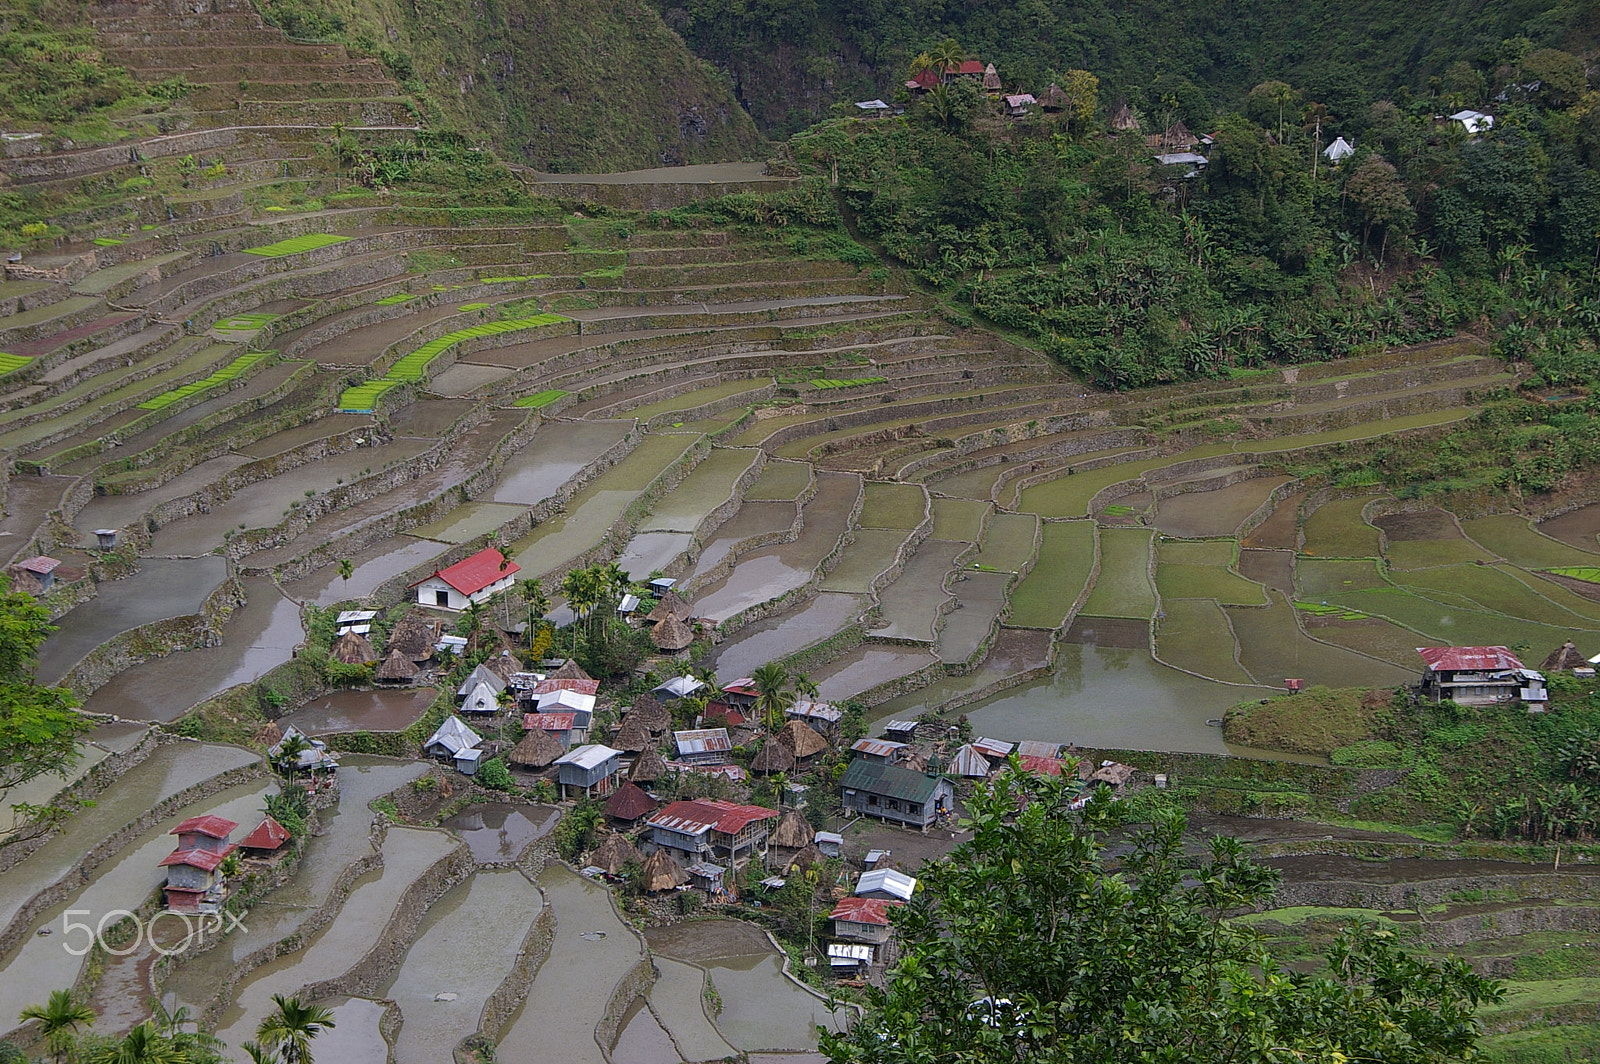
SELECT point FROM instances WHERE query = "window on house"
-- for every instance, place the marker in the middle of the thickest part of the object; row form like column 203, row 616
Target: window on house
column 872, row 799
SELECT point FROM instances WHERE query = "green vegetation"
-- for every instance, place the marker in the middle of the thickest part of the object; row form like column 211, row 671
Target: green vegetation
column 38, row 728
column 297, row 245
column 1318, row 720
column 395, row 300
column 466, row 307
column 1587, row 573
column 856, row 382
column 222, row 376
column 361, row 398
column 244, row 322
column 12, row 362
column 540, row 400
column 414, row 366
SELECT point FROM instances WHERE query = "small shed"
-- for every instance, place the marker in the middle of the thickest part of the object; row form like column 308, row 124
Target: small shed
column 452, row 737
column 993, row 749
column 871, row 108
column 1339, row 150
column 881, row 751
column 792, row 833
column 830, row 843
column 900, row 730
column 648, row 767
column 1474, row 122
column 1035, row 748
column 1017, row 105
column 41, row 568
column 678, row 687
column 570, row 670
column 353, row 648
column 849, row 956
column 467, row 761
column 1053, row 99
column 633, row 737
column 629, row 804
column 672, row 636
column 1112, row 774
column 662, row 871
column 969, row 764
column 803, row 742
column 588, row 769
column 888, row 883
column 484, row 676
column 772, row 758
column 538, row 749
column 991, row 80
column 703, row 746
column 399, row 667
column 267, row 839
column 612, row 855
column 1564, row 659
column 706, row 876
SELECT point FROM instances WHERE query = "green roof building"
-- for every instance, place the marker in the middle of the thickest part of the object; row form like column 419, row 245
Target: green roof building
column 893, row 792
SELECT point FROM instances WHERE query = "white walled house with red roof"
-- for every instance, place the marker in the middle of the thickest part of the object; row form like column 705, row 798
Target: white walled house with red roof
column 863, row 919
column 474, row 579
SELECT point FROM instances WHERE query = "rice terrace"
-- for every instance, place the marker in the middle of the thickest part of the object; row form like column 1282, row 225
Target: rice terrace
column 428, row 539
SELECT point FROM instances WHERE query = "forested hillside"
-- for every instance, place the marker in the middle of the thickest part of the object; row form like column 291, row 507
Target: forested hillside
column 789, row 60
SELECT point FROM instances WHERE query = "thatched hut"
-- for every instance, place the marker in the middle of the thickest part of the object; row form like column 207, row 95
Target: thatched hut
column 269, row 734
column 629, row 804
column 1564, row 658
column 670, row 604
column 772, row 758
column 633, row 737
column 1123, row 119
column 397, row 668
column 663, row 872
column 648, row 767
column 808, row 856
column 991, row 80
column 792, row 832
column 352, row 648
column 536, row 750
column 414, row 636
column 802, row 740
column 1053, row 98
column 672, row 635
column 612, row 855
column 651, row 713
column 570, row 670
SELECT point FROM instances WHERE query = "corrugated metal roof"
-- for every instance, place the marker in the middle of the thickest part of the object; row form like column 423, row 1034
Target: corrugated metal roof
column 583, row 687
column 970, row 763
column 863, row 910
column 551, row 722
column 1469, row 659
column 877, row 747
column 587, row 757
column 1035, row 748
column 993, row 747
column 218, row 827
column 561, row 701
column 889, row 881
column 356, row 616
column 694, row 816
column 900, row 727
column 680, row 686
column 890, row 781
column 454, row 736
column 816, row 711
column 702, row 741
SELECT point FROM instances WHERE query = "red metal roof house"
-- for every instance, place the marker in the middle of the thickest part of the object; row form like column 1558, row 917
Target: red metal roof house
column 1478, row 676
column 192, row 882
column 863, row 919
column 704, row 829
column 473, row 579
column 268, row 837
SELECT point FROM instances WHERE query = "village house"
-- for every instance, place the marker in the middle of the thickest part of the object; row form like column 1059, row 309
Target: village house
column 42, row 569
column 893, row 792
column 1478, row 676
column 453, row 741
column 564, row 700
column 888, row 883
column 1339, row 150
column 863, row 919
column 589, row 770
column 473, row 579
column 267, row 839
column 703, row 746
column 829, row 843
column 480, row 691
column 923, row 82
column 192, row 882
column 1017, row 105
column 678, row 687
column 969, row 763
column 871, row 108
column 705, row 830
column 880, row 751
column 991, row 80
column 1474, row 122
column 314, row 758
column 741, row 692
column 558, row 725
column 628, row 805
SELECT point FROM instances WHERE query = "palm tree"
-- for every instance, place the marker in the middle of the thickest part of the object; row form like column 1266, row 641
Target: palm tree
column 257, row 1054
column 59, row 1019
column 142, row 1045
column 291, row 1027
column 582, row 588
column 947, row 54
column 773, row 696
column 289, row 752
column 537, row 601
column 347, row 569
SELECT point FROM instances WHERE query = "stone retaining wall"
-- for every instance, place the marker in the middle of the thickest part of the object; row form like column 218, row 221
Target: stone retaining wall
column 649, row 197
column 155, row 640
column 503, row 1003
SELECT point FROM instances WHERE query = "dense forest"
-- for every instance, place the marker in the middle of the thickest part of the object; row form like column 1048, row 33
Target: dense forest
column 789, row 60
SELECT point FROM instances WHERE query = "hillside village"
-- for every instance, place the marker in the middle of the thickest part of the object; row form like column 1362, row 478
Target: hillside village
column 491, row 614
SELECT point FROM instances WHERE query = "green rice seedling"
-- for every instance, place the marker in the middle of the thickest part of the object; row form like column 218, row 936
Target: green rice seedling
column 852, row 382
column 1587, row 573
column 10, row 362
column 395, row 300
column 465, row 307
column 222, row 376
column 540, row 400
column 297, row 245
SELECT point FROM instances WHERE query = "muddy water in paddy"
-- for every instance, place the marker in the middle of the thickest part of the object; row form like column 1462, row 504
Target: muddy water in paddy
column 375, row 710
column 382, row 561
column 865, row 667
column 468, row 521
column 166, row 771
column 767, row 640
column 1280, row 530
column 911, row 604
column 407, row 853
column 161, row 589
column 709, row 486
column 259, row 636
column 1014, row 651
column 649, row 551
column 42, row 963
column 124, row 511
column 1274, row 568
column 865, row 558
column 979, row 599
column 466, row 945
column 642, row 1040
column 780, row 481
column 679, row 998
column 753, row 519
column 355, row 1037
column 496, row 833
column 1198, row 514
column 555, row 456
column 592, row 950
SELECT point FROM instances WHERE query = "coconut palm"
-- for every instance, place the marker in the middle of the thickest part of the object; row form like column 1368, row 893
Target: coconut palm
column 59, row 1019
column 346, row 570
column 257, row 1054
column 774, row 697
column 291, row 1027
column 289, row 752
column 537, row 601
column 947, row 55
column 145, row 1044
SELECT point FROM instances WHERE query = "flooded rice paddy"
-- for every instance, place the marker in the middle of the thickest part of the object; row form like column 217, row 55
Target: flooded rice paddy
column 497, row 834
column 378, row 709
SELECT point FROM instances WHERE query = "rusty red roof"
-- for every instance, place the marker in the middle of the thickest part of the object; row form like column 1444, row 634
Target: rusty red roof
column 630, row 802
column 218, row 827
column 728, row 714
column 968, row 66
column 1044, row 766
column 693, row 816
column 744, row 686
column 548, row 721
column 925, row 80
column 268, row 835
column 39, row 564
column 472, row 574
column 203, row 859
column 551, row 686
column 1469, row 659
column 863, row 910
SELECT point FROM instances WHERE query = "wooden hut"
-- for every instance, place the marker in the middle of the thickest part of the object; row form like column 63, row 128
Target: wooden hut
column 672, row 635
column 648, row 767
column 1123, row 120
column 662, row 871
column 671, row 604
column 570, row 670
column 1053, row 98
column 352, row 648
column 1564, row 659
column 651, row 713
column 792, row 833
column 538, row 749
column 804, row 859
column 612, row 855
column 991, row 80
column 633, row 737
column 629, row 804
column 398, row 668
column 414, row 636
column 802, row 741
column 773, row 758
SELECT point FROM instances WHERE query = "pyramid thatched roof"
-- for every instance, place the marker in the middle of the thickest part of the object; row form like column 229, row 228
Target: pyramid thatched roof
column 269, row 734
column 792, row 832
column 1123, row 119
column 803, row 860
column 571, row 670
column 352, row 648
column 503, row 664
column 672, row 635
column 648, row 767
column 801, row 740
column 398, row 668
column 651, row 713
column 663, row 872
column 536, row 750
column 613, row 853
column 1053, row 98
column 1563, row 658
column 633, row 737
column 415, row 636
column 670, row 604
column 773, row 757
